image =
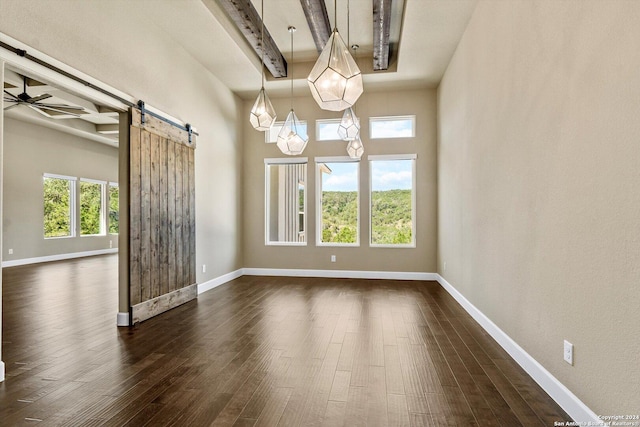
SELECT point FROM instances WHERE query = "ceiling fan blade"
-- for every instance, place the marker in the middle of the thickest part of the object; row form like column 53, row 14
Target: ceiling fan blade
column 10, row 94
column 43, row 110
column 10, row 107
column 39, row 98
column 60, row 106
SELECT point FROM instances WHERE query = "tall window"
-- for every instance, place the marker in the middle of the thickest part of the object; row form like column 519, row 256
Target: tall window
column 337, row 201
column 59, row 206
column 91, row 207
column 114, row 207
column 286, row 201
column 392, row 198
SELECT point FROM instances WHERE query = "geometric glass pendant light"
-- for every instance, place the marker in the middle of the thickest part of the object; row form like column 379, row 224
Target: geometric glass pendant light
column 355, row 149
column 292, row 139
column 349, row 128
column 262, row 115
column 335, row 79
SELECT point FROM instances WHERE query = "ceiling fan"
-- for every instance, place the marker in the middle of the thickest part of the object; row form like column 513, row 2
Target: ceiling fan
column 56, row 111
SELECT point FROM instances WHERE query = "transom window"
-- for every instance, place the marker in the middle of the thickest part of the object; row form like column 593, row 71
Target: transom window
column 392, row 127
column 327, row 130
column 271, row 136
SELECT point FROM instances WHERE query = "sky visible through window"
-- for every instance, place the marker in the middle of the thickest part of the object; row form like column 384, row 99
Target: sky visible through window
column 391, row 175
column 328, row 130
column 386, row 175
column 343, row 177
column 392, row 128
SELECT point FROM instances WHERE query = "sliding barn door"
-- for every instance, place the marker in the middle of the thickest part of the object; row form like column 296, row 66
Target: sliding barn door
column 162, row 218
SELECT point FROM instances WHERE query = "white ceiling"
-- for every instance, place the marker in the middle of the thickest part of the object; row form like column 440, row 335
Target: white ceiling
column 428, row 31
column 93, row 122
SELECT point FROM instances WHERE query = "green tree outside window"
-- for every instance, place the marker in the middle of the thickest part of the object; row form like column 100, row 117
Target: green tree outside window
column 114, row 209
column 57, row 207
column 90, row 208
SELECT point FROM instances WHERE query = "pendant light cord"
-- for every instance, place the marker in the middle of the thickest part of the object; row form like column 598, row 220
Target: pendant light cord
column 348, row 26
column 292, row 30
column 335, row 15
column 262, row 41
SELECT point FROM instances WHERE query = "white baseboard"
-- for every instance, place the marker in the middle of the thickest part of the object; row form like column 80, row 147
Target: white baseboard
column 345, row 274
column 213, row 283
column 1, row 371
column 58, row 257
column 568, row 401
column 123, row 319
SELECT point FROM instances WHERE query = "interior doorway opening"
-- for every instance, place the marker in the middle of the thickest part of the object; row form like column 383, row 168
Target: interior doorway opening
column 61, row 186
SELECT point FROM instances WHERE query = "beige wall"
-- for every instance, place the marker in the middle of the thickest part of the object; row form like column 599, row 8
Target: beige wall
column 117, row 42
column 422, row 103
column 29, row 152
column 539, row 166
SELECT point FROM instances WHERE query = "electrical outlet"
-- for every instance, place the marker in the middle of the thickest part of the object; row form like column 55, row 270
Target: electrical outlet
column 568, row 352
column 110, row 244
column 10, row 251
column 204, row 268
column 333, row 258
column 444, row 266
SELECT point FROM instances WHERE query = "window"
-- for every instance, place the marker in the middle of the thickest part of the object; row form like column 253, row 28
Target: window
column 392, row 184
column 337, row 201
column 327, row 130
column 91, row 207
column 392, row 127
column 59, row 206
column 285, row 201
column 114, row 207
column 271, row 136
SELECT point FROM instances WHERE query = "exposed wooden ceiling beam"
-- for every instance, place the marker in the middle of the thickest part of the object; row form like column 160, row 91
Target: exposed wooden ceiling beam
column 316, row 13
column 381, row 31
column 248, row 21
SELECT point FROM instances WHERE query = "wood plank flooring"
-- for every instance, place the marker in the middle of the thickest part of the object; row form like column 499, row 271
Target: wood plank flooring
column 259, row 351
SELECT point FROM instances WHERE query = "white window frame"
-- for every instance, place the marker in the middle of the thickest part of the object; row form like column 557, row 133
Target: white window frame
column 72, row 204
column 109, row 185
column 103, row 207
column 267, row 186
column 318, row 197
column 373, row 120
column 322, row 121
column 385, row 157
column 271, row 136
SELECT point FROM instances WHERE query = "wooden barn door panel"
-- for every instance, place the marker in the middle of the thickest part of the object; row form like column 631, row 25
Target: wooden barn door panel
column 162, row 218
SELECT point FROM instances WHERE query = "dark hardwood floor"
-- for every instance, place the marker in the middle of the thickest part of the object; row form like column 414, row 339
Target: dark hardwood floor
column 259, row 351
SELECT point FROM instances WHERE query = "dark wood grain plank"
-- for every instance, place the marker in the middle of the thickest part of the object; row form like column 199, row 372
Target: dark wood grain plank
column 192, row 216
column 397, row 410
column 145, row 217
column 163, row 212
column 179, row 219
column 186, row 218
column 172, row 267
column 257, row 350
column 135, row 193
